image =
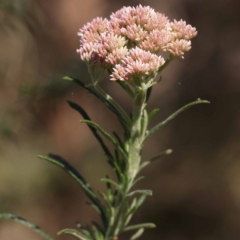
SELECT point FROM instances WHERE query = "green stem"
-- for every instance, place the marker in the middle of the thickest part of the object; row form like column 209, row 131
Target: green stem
column 134, row 144
column 126, row 87
column 118, row 107
column 95, row 82
column 137, row 136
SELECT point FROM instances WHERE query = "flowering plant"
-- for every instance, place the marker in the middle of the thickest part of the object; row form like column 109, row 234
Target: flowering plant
column 129, row 46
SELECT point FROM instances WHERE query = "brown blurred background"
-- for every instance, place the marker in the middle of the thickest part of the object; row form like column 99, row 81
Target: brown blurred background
column 196, row 190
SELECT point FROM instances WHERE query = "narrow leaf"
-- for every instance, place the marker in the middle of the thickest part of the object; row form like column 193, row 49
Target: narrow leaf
column 96, row 94
column 107, row 200
column 107, row 180
column 107, row 97
column 137, row 180
column 126, row 87
column 137, row 234
column 93, row 130
column 119, row 140
column 145, row 192
column 101, row 130
column 137, row 226
column 152, row 114
column 116, row 166
column 87, row 232
column 107, row 103
column 135, row 205
column 149, row 91
column 62, row 163
column 108, row 184
column 130, row 211
column 74, row 233
column 99, row 229
column 127, row 219
column 157, row 157
column 97, row 234
column 140, row 202
column 166, row 152
column 27, row 224
column 132, row 205
column 67, row 167
column 96, row 208
column 105, row 134
column 161, row 124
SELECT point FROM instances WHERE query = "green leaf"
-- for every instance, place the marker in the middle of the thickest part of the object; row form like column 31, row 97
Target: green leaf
column 145, row 192
column 149, row 91
column 106, row 102
column 107, row 97
column 152, row 114
column 62, row 163
column 117, row 169
column 101, row 130
column 107, row 180
column 98, row 231
column 137, row 180
column 130, row 212
column 119, row 140
column 126, row 87
column 87, row 232
column 166, row 152
column 93, row 130
column 161, row 124
column 137, row 226
column 140, row 202
column 108, row 201
column 74, row 233
column 134, row 206
column 96, row 94
column 153, row 159
column 137, row 234
column 27, row 224
column 95, row 207
column 108, row 184
column 107, row 135
column 109, row 190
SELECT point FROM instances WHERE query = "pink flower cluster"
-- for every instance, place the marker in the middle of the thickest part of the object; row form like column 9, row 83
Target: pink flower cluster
column 129, row 43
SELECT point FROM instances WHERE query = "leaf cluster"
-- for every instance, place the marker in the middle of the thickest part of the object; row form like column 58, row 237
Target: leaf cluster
column 119, row 203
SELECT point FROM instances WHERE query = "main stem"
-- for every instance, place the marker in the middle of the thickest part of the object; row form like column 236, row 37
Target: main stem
column 137, row 136
column 134, row 157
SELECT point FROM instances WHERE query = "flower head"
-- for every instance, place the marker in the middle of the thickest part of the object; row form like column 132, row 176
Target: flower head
column 182, row 30
column 156, row 41
column 178, row 47
column 130, row 42
column 139, row 63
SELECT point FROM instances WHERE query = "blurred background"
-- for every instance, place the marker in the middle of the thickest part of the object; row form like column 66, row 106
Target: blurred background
column 196, row 190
